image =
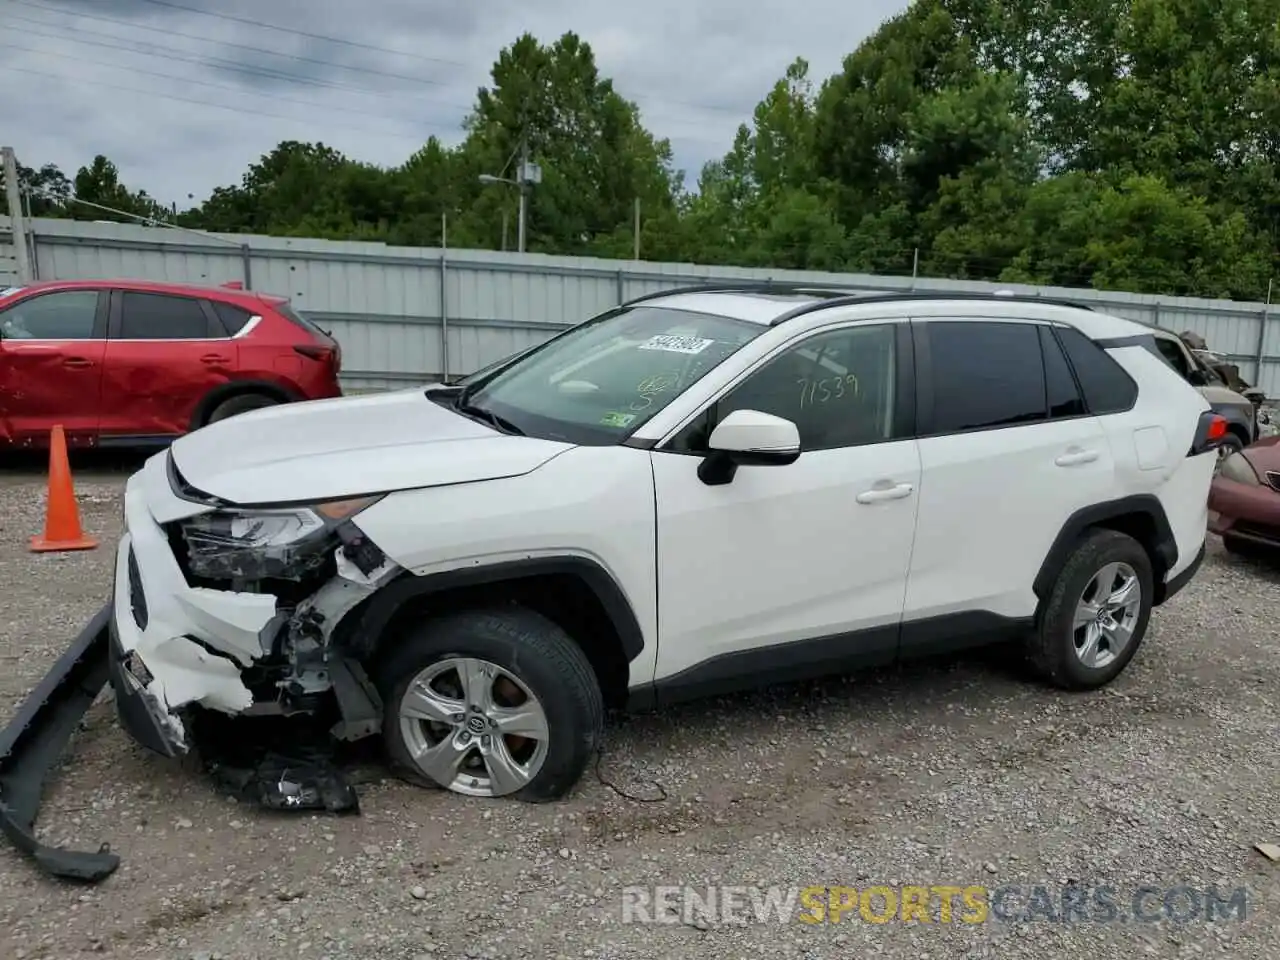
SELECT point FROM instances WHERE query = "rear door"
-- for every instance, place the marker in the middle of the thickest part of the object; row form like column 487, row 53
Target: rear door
column 51, row 365
column 1008, row 453
column 164, row 353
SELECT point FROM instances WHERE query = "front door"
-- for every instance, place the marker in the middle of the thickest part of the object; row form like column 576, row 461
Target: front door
column 51, row 359
column 796, row 570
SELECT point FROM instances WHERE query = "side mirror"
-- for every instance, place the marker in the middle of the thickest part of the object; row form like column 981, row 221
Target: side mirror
column 748, row 438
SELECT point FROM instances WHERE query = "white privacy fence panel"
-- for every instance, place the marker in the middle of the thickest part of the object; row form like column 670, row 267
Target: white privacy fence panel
column 408, row 315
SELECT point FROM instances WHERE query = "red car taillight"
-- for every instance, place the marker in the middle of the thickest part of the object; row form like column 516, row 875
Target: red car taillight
column 323, row 353
column 315, row 352
column 1209, row 432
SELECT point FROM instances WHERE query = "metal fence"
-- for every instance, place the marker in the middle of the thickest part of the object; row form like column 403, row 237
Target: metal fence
column 407, row 315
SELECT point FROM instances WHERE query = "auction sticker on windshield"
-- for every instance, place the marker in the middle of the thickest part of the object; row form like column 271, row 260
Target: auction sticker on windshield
column 616, row 419
column 672, row 344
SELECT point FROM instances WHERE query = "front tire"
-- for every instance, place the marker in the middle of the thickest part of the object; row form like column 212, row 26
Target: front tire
column 491, row 703
column 1094, row 620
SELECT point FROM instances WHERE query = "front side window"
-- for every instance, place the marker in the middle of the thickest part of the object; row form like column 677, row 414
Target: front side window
column 986, row 375
column 67, row 315
column 836, row 387
column 154, row 316
column 602, row 380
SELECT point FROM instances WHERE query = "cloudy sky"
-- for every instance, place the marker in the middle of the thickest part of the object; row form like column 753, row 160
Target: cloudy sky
column 184, row 100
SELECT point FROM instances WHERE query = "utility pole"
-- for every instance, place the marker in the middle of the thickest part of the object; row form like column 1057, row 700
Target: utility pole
column 637, row 251
column 524, row 191
column 527, row 175
column 17, row 222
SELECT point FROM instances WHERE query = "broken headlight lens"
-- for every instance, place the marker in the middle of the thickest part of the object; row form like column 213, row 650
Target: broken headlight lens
column 286, row 543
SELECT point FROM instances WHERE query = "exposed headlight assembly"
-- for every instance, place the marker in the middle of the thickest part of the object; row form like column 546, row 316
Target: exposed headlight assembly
column 285, row 543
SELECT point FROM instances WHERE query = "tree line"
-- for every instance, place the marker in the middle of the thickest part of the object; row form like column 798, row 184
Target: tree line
column 1118, row 144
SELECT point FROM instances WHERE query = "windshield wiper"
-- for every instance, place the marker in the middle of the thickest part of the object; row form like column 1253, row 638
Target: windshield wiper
column 464, row 406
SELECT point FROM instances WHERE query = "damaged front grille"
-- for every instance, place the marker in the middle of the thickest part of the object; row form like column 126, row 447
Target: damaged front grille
column 137, row 597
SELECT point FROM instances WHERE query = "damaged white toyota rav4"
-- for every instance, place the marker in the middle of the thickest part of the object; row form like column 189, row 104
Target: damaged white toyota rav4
column 698, row 491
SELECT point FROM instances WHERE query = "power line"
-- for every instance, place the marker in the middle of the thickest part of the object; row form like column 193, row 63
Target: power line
column 222, row 86
column 712, row 107
column 147, row 51
column 302, row 33
column 223, row 43
column 207, row 103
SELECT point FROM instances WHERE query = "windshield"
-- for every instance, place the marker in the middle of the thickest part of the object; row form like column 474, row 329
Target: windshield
column 600, row 381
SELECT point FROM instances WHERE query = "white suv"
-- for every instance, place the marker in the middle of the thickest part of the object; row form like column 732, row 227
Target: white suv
column 698, row 491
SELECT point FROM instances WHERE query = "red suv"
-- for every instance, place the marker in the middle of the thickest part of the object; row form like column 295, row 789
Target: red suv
column 131, row 363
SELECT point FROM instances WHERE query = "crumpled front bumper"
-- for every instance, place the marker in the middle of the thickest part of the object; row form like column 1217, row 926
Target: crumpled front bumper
column 140, row 715
column 173, row 644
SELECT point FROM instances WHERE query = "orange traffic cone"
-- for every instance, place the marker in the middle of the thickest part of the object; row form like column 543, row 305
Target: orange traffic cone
column 62, row 516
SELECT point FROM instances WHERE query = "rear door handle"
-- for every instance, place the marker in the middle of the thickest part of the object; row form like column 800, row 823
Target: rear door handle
column 878, row 494
column 77, row 362
column 1075, row 456
column 212, row 358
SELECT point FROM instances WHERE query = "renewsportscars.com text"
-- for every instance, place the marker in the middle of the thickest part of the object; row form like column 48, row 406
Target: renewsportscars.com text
column 933, row 903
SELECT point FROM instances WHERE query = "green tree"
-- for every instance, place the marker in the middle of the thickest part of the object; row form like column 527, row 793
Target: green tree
column 99, row 184
column 596, row 156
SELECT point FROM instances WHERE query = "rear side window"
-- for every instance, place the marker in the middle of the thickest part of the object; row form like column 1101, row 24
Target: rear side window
column 1107, row 388
column 233, row 318
column 158, row 316
column 985, row 375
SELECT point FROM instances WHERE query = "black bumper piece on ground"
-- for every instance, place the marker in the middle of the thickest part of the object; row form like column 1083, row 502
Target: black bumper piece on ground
column 32, row 743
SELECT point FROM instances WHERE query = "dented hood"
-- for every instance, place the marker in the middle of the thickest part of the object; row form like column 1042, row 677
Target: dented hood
column 323, row 449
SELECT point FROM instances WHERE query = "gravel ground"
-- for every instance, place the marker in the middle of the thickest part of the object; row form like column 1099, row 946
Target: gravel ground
column 943, row 773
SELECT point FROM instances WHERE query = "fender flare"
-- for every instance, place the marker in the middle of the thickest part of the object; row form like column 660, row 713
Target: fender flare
column 378, row 611
column 232, row 388
column 1146, row 505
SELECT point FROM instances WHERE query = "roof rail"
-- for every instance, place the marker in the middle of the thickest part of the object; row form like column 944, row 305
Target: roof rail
column 872, row 297
column 753, row 286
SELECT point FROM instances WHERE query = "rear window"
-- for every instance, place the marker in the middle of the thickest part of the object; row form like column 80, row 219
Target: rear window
column 293, row 316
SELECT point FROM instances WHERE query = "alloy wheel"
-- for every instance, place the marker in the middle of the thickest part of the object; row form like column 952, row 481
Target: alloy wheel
column 1107, row 615
column 473, row 727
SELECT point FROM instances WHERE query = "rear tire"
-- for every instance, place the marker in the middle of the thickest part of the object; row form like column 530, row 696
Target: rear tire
column 240, row 404
column 1092, row 623
column 475, row 674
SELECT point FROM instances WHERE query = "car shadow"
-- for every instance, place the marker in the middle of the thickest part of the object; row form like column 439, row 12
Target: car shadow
column 107, row 463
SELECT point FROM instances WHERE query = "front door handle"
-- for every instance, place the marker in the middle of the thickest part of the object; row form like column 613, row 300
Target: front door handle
column 212, row 358
column 878, row 494
column 77, row 362
column 1075, row 456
